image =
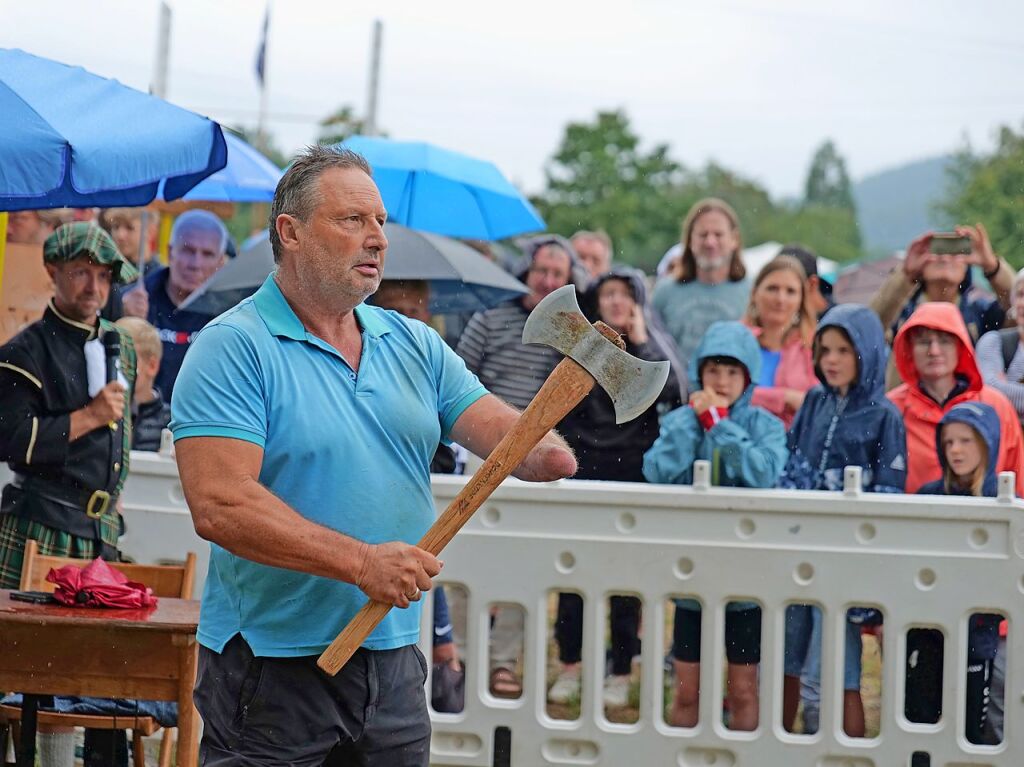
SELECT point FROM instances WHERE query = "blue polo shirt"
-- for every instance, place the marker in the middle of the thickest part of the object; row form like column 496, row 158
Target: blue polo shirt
column 349, row 452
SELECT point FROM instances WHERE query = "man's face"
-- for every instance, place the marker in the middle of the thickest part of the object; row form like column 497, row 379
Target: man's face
column 935, row 353
column 724, row 379
column 713, row 240
column 549, row 271
column 593, row 254
column 81, row 287
column 949, row 271
column 342, row 246
column 193, row 258
column 25, row 226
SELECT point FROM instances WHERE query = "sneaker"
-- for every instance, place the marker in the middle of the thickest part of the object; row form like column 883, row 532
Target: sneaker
column 616, row 691
column 566, row 687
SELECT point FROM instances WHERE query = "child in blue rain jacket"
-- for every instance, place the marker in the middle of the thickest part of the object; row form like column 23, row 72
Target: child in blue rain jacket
column 747, row 448
column 967, row 441
column 745, row 444
column 845, row 421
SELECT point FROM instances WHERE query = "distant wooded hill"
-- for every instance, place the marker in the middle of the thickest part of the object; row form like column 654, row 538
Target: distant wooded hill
column 896, row 205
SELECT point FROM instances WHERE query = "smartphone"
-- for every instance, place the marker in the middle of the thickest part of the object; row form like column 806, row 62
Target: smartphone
column 36, row 597
column 950, row 244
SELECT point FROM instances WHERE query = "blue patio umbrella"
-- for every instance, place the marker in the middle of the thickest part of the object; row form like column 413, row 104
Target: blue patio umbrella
column 248, row 176
column 69, row 138
column 436, row 190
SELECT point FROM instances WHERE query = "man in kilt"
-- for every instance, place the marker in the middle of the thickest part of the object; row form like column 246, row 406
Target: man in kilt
column 65, row 430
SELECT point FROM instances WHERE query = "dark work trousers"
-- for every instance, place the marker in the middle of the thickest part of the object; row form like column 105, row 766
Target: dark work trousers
column 286, row 711
column 625, row 627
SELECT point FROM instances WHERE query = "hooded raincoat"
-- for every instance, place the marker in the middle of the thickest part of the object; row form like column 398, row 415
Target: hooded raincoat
column 921, row 413
column 983, row 628
column 862, row 428
column 746, row 449
column 985, row 422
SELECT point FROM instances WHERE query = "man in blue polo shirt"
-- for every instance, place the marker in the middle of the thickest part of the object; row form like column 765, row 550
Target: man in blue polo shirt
column 305, row 421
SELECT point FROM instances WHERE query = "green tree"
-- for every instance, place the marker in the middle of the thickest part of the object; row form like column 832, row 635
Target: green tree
column 827, row 220
column 828, row 183
column 339, row 125
column 599, row 178
column 990, row 189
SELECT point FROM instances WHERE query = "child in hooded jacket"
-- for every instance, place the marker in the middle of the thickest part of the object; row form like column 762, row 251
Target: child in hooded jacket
column 747, row 448
column 844, row 421
column 967, row 442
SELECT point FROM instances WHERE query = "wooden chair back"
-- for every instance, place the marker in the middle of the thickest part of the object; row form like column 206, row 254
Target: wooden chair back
column 166, row 580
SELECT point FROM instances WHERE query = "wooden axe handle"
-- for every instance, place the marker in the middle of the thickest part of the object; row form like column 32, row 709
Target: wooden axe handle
column 565, row 388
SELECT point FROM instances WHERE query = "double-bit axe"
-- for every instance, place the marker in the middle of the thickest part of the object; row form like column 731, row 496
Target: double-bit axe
column 595, row 354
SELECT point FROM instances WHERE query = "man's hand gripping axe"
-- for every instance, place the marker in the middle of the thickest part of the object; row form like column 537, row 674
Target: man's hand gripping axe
column 595, row 354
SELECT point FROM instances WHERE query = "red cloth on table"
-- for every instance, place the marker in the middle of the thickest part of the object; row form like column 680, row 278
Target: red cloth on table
column 98, row 585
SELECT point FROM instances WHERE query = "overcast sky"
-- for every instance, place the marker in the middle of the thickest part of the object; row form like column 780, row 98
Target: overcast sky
column 754, row 87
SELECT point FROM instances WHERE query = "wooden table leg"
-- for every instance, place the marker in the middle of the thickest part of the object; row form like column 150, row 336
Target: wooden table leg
column 188, row 718
column 26, row 750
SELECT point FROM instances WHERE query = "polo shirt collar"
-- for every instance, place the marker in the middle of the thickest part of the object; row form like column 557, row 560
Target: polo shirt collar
column 282, row 321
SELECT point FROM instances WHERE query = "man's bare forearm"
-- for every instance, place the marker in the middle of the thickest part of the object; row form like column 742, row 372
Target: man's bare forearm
column 488, row 420
column 232, row 509
column 245, row 518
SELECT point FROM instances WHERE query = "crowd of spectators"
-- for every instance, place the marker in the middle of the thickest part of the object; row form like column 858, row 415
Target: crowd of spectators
column 771, row 381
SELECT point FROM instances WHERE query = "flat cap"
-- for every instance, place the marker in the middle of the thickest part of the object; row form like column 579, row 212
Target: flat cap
column 81, row 238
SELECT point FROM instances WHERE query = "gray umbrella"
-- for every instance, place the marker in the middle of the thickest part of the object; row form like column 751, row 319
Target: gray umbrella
column 461, row 280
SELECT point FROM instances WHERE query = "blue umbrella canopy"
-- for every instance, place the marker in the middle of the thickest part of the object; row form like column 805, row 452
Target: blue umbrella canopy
column 431, row 189
column 248, row 176
column 71, row 138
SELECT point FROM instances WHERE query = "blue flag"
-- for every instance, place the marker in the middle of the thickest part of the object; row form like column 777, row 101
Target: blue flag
column 261, row 51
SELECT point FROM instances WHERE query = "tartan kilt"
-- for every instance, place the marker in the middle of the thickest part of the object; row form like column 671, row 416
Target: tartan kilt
column 16, row 531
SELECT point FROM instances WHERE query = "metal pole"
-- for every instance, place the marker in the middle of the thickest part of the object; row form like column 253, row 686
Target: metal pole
column 261, row 120
column 163, row 51
column 370, row 127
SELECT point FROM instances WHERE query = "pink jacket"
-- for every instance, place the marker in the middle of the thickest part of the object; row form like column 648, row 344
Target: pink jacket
column 795, row 371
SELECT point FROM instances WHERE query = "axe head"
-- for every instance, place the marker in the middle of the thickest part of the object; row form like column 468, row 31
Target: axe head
column 633, row 384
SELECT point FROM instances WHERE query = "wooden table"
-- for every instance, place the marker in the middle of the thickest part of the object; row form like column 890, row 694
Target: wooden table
column 148, row 654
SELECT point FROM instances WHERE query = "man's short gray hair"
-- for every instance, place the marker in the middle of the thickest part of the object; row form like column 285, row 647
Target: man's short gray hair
column 199, row 221
column 297, row 193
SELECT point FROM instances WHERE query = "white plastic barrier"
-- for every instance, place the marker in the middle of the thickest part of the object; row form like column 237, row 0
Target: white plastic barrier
column 922, row 560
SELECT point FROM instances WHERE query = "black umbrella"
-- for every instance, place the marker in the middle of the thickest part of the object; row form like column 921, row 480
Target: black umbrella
column 461, row 279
